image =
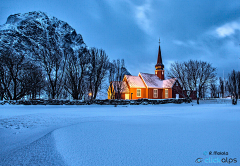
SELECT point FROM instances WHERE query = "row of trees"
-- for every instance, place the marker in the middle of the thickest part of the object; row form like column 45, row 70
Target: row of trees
column 228, row 87
column 53, row 72
column 60, row 73
column 198, row 77
column 193, row 76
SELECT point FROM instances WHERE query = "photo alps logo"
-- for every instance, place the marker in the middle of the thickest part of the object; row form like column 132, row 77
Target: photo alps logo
column 216, row 160
column 199, row 160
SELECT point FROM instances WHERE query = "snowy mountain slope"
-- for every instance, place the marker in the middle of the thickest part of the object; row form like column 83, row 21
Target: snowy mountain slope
column 23, row 32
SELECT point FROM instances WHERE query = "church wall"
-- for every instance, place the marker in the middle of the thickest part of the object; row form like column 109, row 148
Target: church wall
column 178, row 90
column 123, row 96
column 169, row 93
column 163, row 94
column 147, row 93
column 150, row 93
column 133, row 91
column 160, row 92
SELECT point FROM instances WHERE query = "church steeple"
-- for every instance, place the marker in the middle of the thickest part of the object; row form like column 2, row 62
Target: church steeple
column 159, row 66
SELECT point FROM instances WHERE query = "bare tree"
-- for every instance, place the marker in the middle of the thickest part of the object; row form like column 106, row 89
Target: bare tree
column 233, row 85
column 2, row 82
column 111, row 77
column 184, row 75
column 207, row 75
column 97, row 70
column 221, row 87
column 76, row 68
column 117, row 71
column 53, row 63
column 1, row 89
column 14, row 80
column 119, row 75
column 213, row 89
column 193, row 75
column 4, row 79
column 36, row 80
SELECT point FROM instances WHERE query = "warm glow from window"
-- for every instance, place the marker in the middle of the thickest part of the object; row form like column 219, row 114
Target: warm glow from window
column 138, row 92
column 166, row 93
column 155, row 93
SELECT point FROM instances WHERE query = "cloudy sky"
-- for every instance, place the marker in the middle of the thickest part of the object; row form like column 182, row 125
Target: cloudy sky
column 207, row 30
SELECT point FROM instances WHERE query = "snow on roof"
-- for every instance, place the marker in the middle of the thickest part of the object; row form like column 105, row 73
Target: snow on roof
column 135, row 81
column 152, row 80
column 169, row 83
column 124, row 87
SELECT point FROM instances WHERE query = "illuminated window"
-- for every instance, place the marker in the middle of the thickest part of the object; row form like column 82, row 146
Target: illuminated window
column 155, row 93
column 138, row 92
column 166, row 93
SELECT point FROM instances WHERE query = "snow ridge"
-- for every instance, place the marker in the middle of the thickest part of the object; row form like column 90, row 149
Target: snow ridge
column 24, row 32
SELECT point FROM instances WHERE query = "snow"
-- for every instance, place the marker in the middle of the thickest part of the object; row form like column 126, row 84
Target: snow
column 151, row 80
column 168, row 134
column 169, row 83
column 134, row 81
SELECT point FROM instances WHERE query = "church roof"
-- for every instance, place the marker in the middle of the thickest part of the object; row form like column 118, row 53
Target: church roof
column 169, row 83
column 151, row 80
column 159, row 60
column 135, row 81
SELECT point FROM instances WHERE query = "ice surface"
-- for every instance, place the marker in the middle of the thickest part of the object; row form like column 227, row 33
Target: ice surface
column 170, row 134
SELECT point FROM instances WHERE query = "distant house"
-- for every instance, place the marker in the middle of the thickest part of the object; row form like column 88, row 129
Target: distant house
column 150, row 86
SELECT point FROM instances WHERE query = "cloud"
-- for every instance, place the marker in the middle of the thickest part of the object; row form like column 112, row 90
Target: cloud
column 142, row 17
column 180, row 43
column 140, row 11
column 188, row 43
column 228, row 29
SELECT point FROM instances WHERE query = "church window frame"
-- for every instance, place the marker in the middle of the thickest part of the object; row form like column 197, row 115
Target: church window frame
column 166, row 93
column 155, row 93
column 138, row 92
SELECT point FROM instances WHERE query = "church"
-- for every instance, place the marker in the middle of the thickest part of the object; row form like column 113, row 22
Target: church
column 149, row 86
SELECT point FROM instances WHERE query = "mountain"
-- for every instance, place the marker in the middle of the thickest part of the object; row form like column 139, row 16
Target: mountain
column 22, row 32
column 36, row 42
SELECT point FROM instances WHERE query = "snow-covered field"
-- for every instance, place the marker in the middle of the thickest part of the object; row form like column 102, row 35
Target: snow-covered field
column 169, row 134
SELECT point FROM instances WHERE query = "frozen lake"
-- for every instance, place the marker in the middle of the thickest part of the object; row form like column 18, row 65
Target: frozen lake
column 168, row 134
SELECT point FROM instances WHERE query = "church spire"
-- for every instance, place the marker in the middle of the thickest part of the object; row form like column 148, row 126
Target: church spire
column 159, row 65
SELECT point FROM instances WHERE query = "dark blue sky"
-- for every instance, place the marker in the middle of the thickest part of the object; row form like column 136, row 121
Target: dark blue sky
column 207, row 30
